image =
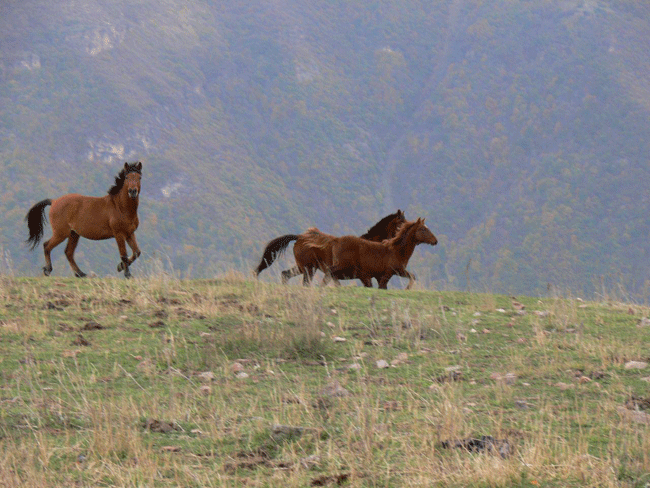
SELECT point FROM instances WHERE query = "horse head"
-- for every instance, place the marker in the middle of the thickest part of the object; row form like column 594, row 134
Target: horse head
column 423, row 235
column 133, row 175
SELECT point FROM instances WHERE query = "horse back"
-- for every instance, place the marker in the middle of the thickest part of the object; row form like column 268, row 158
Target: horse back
column 313, row 247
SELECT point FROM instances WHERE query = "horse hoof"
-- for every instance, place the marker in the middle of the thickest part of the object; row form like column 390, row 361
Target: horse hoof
column 80, row 274
column 120, row 267
column 47, row 271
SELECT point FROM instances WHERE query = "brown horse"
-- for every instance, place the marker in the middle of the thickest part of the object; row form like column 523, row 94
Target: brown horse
column 96, row 218
column 357, row 258
column 311, row 258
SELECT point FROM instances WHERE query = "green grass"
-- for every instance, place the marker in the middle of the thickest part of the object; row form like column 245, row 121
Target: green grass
column 183, row 383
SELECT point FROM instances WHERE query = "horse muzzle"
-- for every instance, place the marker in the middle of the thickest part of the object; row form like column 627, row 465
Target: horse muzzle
column 133, row 193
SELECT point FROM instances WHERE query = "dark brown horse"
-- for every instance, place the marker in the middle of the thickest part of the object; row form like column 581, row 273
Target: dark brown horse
column 358, row 258
column 311, row 258
column 96, row 218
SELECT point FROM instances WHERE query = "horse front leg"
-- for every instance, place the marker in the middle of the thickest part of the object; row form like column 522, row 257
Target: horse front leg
column 124, row 264
column 133, row 244
column 406, row 274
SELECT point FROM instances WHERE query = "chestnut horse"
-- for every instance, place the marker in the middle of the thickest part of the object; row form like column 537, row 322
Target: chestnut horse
column 96, row 218
column 357, row 258
column 309, row 259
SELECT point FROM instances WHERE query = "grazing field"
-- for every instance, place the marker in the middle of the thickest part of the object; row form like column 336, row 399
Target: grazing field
column 231, row 382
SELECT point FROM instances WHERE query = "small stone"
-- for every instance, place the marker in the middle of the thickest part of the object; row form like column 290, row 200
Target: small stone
column 236, row 367
column 634, row 416
column 241, row 375
column 522, row 404
column 636, row 365
column 92, row 325
column 518, row 306
column 339, row 339
column 334, row 389
column 330, row 324
column 205, row 390
column 510, row 378
column 171, row 448
column 206, row 376
column 381, row 364
column 286, row 431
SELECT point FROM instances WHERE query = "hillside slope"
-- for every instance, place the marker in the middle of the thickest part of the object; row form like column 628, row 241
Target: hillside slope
column 520, row 130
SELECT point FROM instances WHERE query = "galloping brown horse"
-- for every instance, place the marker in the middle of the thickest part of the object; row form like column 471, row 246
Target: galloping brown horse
column 97, row 218
column 357, row 258
column 310, row 258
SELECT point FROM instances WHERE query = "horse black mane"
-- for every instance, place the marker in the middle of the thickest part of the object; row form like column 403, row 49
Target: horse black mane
column 403, row 231
column 380, row 227
column 120, row 178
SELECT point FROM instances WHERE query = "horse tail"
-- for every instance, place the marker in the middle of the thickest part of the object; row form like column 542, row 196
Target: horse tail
column 35, row 219
column 274, row 249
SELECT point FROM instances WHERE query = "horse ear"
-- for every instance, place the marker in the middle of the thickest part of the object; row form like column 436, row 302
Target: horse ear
column 126, row 166
column 139, row 166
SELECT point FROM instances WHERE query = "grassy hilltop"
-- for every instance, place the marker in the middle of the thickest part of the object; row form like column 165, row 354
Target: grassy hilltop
column 231, row 382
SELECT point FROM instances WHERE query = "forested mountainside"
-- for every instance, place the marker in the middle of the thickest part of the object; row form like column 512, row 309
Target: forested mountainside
column 519, row 129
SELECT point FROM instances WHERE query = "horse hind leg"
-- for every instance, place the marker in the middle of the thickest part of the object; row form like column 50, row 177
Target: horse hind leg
column 48, row 245
column 308, row 275
column 287, row 274
column 73, row 240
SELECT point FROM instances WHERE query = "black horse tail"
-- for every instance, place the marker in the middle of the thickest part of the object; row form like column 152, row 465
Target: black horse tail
column 35, row 219
column 274, row 249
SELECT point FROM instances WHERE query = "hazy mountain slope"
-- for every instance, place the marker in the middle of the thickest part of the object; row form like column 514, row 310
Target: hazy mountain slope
column 518, row 129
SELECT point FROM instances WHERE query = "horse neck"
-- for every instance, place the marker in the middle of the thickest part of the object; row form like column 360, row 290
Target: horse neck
column 404, row 244
column 126, row 203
